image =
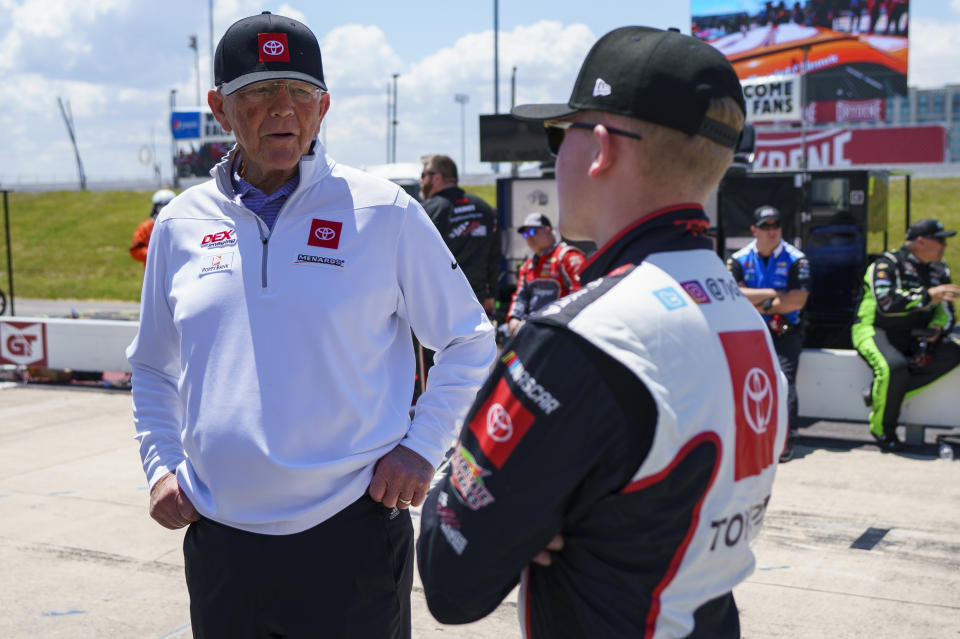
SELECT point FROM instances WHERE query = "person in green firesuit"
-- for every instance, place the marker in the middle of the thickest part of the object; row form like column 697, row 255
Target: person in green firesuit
column 903, row 324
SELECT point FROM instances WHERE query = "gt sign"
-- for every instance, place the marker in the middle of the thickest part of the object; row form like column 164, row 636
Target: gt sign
column 23, row 344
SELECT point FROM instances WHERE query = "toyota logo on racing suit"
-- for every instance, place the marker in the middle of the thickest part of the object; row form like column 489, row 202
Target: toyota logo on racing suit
column 273, row 47
column 499, row 424
column 757, row 400
column 325, row 233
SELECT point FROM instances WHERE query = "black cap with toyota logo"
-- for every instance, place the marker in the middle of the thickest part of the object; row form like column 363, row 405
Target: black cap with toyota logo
column 267, row 47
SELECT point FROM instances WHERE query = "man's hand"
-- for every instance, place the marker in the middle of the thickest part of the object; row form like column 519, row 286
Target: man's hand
column 514, row 325
column 489, row 306
column 169, row 506
column 544, row 558
column 401, row 478
column 944, row 293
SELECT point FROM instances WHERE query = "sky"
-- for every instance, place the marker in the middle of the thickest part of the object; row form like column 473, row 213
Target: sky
column 116, row 61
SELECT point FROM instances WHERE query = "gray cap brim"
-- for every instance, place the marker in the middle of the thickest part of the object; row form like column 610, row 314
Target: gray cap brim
column 540, row 112
column 250, row 78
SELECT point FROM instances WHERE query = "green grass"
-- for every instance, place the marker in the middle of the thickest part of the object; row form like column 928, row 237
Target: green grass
column 73, row 245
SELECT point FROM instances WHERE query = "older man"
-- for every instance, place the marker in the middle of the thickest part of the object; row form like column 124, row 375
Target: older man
column 619, row 460
column 273, row 367
column 902, row 323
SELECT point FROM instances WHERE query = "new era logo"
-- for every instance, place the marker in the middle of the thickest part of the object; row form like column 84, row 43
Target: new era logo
column 601, row 88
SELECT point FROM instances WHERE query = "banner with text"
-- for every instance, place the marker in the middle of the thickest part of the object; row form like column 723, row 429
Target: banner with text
column 840, row 147
column 772, row 98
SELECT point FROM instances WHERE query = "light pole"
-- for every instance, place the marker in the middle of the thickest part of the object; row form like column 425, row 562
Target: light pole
column 212, row 79
column 393, row 150
column 462, row 99
column 173, row 141
column 496, row 67
column 196, row 55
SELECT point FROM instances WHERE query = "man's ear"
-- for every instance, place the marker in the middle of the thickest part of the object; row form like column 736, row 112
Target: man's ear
column 324, row 107
column 215, row 102
column 603, row 155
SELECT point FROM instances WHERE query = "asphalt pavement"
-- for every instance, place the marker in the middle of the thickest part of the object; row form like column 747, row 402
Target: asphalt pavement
column 856, row 543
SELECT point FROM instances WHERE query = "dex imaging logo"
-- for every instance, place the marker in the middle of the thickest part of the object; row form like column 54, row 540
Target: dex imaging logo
column 273, row 47
column 325, row 234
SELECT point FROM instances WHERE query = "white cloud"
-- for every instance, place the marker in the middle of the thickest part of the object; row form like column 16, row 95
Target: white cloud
column 955, row 5
column 117, row 60
column 934, row 53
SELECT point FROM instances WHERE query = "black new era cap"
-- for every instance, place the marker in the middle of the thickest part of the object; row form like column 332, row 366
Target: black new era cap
column 663, row 77
column 267, row 47
column 928, row 228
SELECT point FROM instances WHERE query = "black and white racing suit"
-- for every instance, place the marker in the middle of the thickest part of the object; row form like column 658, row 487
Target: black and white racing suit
column 640, row 418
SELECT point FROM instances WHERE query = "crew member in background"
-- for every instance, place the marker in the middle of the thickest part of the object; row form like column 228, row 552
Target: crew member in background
column 902, row 324
column 619, row 459
column 775, row 277
column 467, row 224
column 273, row 367
column 141, row 237
column 550, row 273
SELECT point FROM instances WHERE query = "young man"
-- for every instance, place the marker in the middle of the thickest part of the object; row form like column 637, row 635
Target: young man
column 775, row 277
column 273, row 368
column 620, row 458
column 905, row 293
column 550, row 273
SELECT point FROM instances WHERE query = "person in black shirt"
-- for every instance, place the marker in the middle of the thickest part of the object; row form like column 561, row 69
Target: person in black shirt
column 466, row 223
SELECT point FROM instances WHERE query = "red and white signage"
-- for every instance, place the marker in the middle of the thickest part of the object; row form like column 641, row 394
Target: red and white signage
column 847, row 111
column 500, row 424
column 842, row 147
column 273, row 47
column 23, row 344
column 755, row 399
column 325, row 234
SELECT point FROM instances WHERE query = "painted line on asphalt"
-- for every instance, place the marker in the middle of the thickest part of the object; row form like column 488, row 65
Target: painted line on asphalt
column 853, row 594
column 176, row 632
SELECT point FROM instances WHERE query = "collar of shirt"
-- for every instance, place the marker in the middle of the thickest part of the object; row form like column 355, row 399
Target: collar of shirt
column 255, row 199
column 674, row 228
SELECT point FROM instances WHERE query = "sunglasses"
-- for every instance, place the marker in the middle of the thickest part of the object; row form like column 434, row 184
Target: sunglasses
column 530, row 231
column 426, row 173
column 557, row 129
column 769, row 226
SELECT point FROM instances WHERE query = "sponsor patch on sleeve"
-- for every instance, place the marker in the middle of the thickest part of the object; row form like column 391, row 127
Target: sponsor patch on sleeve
column 754, row 398
column 500, row 424
column 450, row 525
column 467, row 478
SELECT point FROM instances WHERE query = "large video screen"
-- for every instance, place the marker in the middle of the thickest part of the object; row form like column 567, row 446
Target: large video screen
column 855, row 50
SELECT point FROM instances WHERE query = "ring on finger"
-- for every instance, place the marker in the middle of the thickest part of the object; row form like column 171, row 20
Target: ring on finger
column 404, row 501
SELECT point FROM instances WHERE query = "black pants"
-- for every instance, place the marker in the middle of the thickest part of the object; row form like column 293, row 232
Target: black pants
column 789, row 346
column 349, row 577
column 895, row 375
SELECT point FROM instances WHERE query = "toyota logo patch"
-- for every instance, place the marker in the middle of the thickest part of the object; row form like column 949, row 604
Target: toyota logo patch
column 273, row 47
column 325, row 234
column 499, row 424
column 757, row 400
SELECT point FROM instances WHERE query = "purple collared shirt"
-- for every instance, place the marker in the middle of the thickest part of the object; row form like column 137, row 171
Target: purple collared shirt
column 266, row 206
